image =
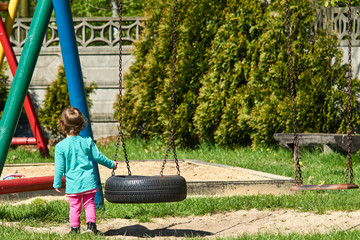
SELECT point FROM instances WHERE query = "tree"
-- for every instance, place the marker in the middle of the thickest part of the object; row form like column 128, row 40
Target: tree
column 91, row 8
column 224, row 103
column 106, row 8
column 340, row 3
column 320, row 77
column 232, row 83
column 148, row 86
column 96, row 8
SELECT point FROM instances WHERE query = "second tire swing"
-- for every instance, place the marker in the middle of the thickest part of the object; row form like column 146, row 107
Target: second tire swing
column 146, row 189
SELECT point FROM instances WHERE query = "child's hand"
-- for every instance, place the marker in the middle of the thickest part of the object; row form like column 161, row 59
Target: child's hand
column 115, row 165
column 58, row 190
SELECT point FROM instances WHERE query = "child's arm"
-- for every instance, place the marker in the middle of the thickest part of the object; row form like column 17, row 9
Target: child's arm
column 100, row 158
column 59, row 169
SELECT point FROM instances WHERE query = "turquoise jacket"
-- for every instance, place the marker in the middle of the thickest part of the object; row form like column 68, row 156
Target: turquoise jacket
column 74, row 157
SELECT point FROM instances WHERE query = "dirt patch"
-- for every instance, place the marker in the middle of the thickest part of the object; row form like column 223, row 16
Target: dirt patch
column 191, row 170
column 229, row 224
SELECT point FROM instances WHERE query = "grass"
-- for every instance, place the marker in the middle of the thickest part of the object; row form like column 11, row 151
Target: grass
column 318, row 167
column 277, row 161
column 20, row 233
column 21, row 155
column 54, row 212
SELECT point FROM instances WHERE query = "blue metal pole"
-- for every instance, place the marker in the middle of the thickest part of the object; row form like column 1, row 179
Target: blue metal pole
column 73, row 74
column 23, row 75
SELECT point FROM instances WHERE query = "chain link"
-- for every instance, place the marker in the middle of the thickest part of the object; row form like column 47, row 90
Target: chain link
column 349, row 169
column 121, row 134
column 171, row 140
column 298, row 174
column 120, row 137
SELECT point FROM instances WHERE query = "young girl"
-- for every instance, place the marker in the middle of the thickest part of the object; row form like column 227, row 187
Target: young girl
column 74, row 157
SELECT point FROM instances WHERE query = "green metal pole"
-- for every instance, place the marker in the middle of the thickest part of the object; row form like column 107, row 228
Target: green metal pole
column 23, row 75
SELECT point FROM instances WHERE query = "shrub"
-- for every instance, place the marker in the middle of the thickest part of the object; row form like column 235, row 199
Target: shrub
column 3, row 88
column 232, row 83
column 320, row 78
column 148, row 85
column 224, row 103
column 56, row 100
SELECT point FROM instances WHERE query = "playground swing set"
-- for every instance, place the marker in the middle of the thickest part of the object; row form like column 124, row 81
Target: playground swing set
column 118, row 188
column 299, row 186
column 146, row 189
column 39, row 138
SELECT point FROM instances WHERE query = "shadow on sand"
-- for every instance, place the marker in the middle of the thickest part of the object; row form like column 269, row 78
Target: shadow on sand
column 141, row 231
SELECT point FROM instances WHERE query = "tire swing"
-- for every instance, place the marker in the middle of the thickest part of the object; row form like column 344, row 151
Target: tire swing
column 146, row 189
column 299, row 186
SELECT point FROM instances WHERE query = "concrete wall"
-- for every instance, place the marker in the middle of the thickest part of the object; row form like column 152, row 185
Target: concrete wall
column 100, row 69
column 100, row 65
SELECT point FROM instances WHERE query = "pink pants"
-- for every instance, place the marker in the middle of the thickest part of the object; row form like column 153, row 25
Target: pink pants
column 75, row 209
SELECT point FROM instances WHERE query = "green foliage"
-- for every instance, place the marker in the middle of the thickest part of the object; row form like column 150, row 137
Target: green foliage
column 104, row 8
column 3, row 87
column 319, row 77
column 91, row 8
column 339, row 3
column 222, row 112
column 232, row 81
column 98, row 8
column 148, row 86
column 135, row 8
column 56, row 100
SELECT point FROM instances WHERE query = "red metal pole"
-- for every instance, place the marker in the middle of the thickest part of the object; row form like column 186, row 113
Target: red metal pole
column 23, row 141
column 28, row 184
column 28, row 106
column 41, row 141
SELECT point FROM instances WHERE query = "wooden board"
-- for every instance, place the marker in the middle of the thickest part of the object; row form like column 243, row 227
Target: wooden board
column 343, row 186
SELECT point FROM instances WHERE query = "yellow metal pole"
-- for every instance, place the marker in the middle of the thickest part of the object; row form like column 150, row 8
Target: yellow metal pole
column 9, row 23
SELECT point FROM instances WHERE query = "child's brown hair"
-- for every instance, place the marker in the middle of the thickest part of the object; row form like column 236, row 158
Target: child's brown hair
column 72, row 121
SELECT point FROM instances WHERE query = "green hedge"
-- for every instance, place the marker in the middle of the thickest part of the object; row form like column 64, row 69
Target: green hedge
column 3, row 87
column 232, row 83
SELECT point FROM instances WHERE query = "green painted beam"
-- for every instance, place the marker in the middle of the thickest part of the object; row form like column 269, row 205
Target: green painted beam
column 23, row 75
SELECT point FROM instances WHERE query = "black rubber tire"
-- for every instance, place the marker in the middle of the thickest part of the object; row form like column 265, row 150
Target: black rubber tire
column 145, row 189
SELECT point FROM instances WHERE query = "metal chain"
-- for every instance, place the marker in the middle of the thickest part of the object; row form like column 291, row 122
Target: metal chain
column 171, row 140
column 349, row 169
column 298, row 175
column 121, row 134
